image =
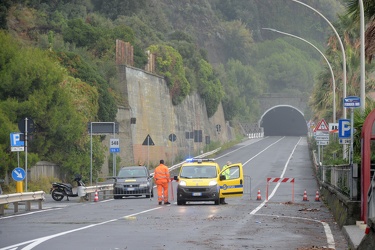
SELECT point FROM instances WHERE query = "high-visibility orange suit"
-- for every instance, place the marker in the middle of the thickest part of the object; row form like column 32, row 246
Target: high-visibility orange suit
column 162, row 178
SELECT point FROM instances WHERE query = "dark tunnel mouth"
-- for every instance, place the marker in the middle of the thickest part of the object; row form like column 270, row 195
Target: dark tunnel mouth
column 283, row 120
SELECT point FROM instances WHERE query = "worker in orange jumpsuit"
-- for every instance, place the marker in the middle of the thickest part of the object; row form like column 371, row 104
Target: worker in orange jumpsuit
column 162, row 178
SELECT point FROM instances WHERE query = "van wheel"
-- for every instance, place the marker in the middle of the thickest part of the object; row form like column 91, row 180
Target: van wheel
column 217, row 202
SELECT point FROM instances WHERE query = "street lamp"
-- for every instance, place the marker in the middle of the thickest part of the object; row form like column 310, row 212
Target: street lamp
column 342, row 49
column 329, row 65
column 362, row 20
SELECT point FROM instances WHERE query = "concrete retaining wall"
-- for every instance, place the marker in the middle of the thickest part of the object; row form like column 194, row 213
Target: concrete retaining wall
column 345, row 211
column 149, row 104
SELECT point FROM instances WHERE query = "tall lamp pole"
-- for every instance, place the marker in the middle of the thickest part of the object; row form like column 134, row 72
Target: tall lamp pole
column 362, row 32
column 329, row 65
column 342, row 49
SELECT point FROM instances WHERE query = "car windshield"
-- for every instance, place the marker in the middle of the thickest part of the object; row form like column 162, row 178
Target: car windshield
column 198, row 171
column 132, row 173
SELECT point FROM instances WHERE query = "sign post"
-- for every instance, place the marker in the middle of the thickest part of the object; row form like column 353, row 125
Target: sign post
column 321, row 136
column 114, row 147
column 101, row 128
column 352, row 102
column 26, row 125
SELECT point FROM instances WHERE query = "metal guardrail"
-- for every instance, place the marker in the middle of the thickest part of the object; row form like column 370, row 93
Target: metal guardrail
column 336, row 176
column 89, row 190
column 16, row 198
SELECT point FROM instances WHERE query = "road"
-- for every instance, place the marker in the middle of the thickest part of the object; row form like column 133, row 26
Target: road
column 285, row 221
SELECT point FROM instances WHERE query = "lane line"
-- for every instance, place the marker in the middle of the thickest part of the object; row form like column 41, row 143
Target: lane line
column 39, row 241
column 35, row 212
column 327, row 229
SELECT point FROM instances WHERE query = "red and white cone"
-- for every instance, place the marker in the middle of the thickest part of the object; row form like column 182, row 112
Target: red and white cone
column 96, row 197
column 317, row 196
column 305, row 196
column 259, row 197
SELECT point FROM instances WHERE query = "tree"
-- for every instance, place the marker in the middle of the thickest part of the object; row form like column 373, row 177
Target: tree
column 210, row 88
column 369, row 12
column 170, row 65
column 36, row 86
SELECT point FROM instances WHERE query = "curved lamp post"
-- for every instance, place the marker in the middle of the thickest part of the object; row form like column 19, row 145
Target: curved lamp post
column 342, row 49
column 329, row 65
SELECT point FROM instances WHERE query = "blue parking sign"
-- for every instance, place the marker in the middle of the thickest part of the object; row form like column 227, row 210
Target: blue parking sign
column 344, row 128
column 15, row 140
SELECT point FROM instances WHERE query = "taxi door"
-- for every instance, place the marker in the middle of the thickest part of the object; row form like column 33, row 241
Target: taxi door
column 233, row 186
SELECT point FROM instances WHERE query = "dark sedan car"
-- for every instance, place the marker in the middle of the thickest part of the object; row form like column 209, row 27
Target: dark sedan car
column 133, row 181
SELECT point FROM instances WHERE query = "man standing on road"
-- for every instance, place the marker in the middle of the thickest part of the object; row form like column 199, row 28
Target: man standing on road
column 226, row 173
column 162, row 177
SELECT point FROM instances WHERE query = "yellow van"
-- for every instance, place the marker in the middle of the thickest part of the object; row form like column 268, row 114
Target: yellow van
column 202, row 180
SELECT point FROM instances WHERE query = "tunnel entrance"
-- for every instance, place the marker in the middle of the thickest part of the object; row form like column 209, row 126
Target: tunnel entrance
column 283, row 120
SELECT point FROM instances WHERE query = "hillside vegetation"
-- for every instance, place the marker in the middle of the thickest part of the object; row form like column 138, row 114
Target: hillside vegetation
column 57, row 64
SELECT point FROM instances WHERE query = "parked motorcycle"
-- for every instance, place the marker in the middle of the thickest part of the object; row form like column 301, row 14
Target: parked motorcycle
column 59, row 190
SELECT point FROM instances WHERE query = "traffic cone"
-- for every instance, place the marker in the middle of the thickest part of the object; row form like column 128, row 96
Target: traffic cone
column 259, row 197
column 367, row 230
column 305, row 196
column 317, row 196
column 96, row 198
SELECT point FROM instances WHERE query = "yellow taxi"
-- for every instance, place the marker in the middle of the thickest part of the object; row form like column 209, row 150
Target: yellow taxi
column 202, row 180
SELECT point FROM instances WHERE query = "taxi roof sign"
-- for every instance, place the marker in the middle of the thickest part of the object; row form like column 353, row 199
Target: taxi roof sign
column 322, row 126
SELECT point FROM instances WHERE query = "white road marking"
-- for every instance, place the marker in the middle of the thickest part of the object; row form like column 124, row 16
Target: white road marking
column 327, row 229
column 38, row 241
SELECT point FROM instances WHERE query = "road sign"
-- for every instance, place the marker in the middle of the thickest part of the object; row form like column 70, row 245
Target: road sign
column 322, row 143
column 333, row 127
column 148, row 141
column 114, row 145
column 322, row 137
column 322, row 126
column 30, row 125
column 16, row 143
column 352, row 102
column 344, row 128
column 344, row 141
column 102, row 128
column 172, row 137
column 18, row 174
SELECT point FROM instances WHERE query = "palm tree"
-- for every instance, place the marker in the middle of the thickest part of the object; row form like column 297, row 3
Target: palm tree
column 321, row 102
column 369, row 11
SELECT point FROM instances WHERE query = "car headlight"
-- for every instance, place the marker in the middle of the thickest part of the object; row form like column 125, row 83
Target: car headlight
column 182, row 183
column 143, row 185
column 212, row 183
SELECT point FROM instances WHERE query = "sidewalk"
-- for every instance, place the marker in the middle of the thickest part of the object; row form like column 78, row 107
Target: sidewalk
column 354, row 234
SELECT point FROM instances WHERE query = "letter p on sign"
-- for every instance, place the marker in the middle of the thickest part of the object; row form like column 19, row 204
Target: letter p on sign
column 344, row 128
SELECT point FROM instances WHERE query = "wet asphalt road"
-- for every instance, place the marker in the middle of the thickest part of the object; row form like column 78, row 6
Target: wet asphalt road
column 286, row 221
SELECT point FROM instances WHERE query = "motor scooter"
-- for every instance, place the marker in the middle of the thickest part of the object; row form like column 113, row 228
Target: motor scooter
column 59, row 190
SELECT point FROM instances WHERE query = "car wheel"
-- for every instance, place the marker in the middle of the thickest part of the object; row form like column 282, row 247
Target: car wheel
column 116, row 197
column 179, row 203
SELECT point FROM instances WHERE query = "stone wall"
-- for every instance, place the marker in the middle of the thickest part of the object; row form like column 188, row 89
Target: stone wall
column 150, row 106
